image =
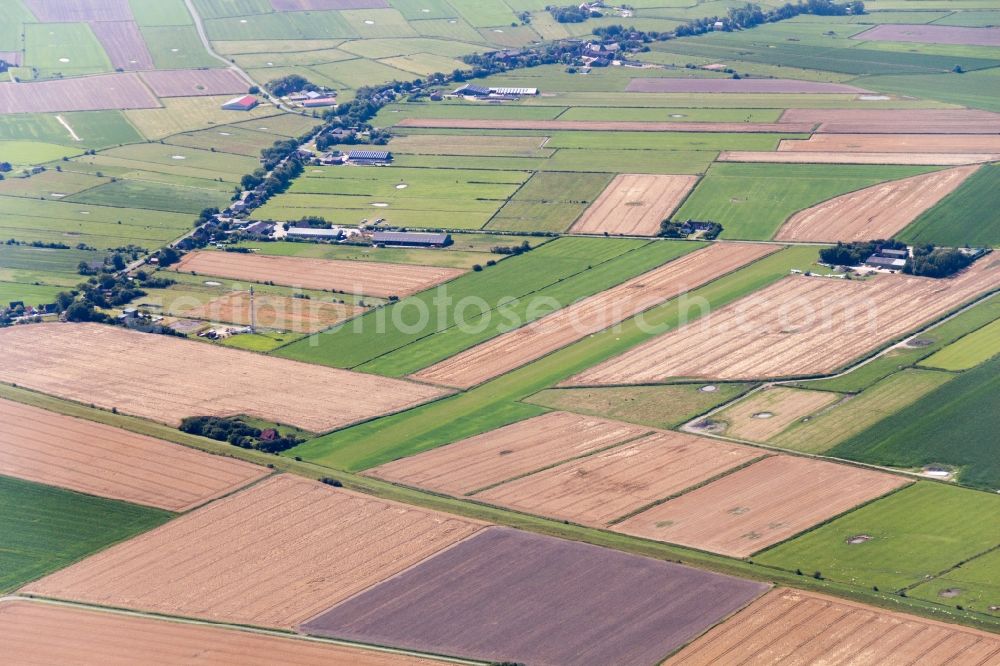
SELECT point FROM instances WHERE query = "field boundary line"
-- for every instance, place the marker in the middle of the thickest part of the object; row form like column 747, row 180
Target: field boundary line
column 609, row 447
column 684, row 491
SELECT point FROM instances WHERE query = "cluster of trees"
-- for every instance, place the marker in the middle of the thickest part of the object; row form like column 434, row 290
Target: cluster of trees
column 50, row 246
column 525, row 246
column 855, row 253
column 238, row 433
column 572, row 14
column 928, row 261
column 675, row 229
column 289, row 84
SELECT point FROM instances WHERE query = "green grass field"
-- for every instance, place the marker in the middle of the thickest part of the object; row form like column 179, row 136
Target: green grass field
column 495, row 403
column 177, row 47
column 850, row 417
column 550, row 201
column 967, row 216
column 954, row 425
column 974, row 585
column 29, row 153
column 473, row 295
column 968, row 352
column 442, row 344
column 161, row 12
column 664, row 406
column 63, row 49
column 45, row 528
column 751, row 201
column 154, row 196
column 915, row 533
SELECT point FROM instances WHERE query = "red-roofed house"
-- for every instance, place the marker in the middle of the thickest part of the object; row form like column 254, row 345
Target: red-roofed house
column 244, row 103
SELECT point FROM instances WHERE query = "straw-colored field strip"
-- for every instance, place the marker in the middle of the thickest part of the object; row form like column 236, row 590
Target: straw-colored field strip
column 634, row 205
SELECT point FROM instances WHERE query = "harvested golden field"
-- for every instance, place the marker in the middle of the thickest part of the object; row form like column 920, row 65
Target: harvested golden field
column 760, row 505
column 34, row 632
column 273, row 555
column 597, row 489
column 166, row 378
column 897, row 121
column 496, row 456
column 879, row 211
column 765, row 413
column 795, row 627
column 800, row 325
column 277, row 312
column 894, row 143
column 369, row 278
column 98, row 459
column 825, row 157
column 606, row 125
column 523, row 345
column 634, row 205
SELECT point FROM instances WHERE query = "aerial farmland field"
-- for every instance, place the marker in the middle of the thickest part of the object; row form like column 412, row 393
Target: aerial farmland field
column 172, row 571
column 636, row 409
column 95, row 637
column 99, row 460
column 559, row 601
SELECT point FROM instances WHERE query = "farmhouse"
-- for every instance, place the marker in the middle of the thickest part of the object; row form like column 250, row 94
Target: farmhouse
column 469, row 90
column 410, row 239
column 243, row 103
column 369, row 157
column 888, row 259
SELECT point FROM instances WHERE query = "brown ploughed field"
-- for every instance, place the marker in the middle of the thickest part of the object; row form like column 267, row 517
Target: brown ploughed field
column 166, row 379
column 506, row 453
column 84, row 93
column 523, row 345
column 193, row 82
column 760, row 505
column 59, row 11
column 34, row 632
column 896, row 121
column 279, row 312
column 98, row 459
column 766, row 413
column 799, row 325
column 597, row 489
column 931, row 34
column 273, row 555
column 803, row 157
column 796, row 627
column 355, row 277
column 894, row 143
column 124, row 44
column 606, row 125
column 879, row 211
column 634, row 205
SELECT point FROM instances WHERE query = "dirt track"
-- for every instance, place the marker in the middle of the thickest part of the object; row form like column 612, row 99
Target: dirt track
column 597, row 489
column 879, row 211
column 798, row 326
column 760, row 505
column 803, row 157
column 634, row 205
column 894, row 143
column 278, row 312
column 97, row 459
column 33, row 632
column 273, row 555
column 605, row 125
column 784, row 406
column 505, row 453
column 896, row 121
column 165, row 378
column 795, row 627
column 737, row 86
column 369, row 278
column 523, row 345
